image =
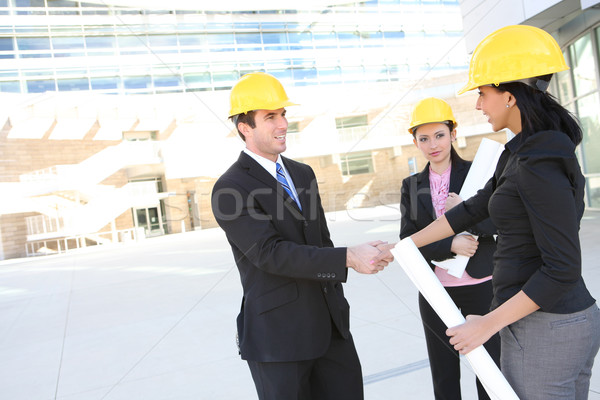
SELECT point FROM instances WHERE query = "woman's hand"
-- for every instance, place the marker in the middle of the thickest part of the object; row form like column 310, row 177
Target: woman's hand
column 452, row 200
column 470, row 335
column 464, row 245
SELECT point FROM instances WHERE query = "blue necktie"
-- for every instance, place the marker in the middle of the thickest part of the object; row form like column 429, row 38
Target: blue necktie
column 281, row 179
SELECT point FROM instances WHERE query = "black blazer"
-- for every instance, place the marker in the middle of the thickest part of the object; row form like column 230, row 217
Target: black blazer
column 291, row 274
column 418, row 212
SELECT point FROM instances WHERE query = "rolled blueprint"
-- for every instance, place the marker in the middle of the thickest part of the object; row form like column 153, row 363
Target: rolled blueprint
column 417, row 269
column 482, row 169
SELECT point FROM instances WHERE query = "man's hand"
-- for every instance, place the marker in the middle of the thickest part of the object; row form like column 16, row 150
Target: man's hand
column 362, row 257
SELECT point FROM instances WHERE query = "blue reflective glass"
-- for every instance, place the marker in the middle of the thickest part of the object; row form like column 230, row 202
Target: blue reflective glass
column 167, row 81
column 11, row 87
column 192, row 40
column 67, row 85
column 71, row 42
column 394, row 35
column 3, row 3
column 246, row 25
column 220, row 77
column 197, row 79
column 6, row 44
column 281, row 74
column 348, row 39
column 304, row 74
column 162, row 40
column 137, row 82
column 247, row 38
column 29, row 3
column 40, row 86
column 105, row 83
column 132, row 41
column 220, row 42
column 299, row 41
column 100, row 42
column 272, row 25
column 41, row 43
column 325, row 40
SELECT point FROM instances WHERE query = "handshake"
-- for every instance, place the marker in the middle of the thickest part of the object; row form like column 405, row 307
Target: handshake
column 369, row 258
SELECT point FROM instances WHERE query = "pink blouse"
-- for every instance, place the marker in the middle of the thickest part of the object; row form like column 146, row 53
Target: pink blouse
column 440, row 186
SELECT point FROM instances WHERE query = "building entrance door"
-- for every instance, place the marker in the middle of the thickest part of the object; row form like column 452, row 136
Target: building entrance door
column 150, row 219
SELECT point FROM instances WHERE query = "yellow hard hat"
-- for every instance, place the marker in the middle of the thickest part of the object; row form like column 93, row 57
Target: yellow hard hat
column 257, row 91
column 430, row 110
column 513, row 53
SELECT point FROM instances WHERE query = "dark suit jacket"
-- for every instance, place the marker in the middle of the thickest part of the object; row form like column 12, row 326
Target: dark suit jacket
column 418, row 212
column 291, row 274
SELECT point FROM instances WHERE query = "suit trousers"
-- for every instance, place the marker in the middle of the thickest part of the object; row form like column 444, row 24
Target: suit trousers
column 547, row 356
column 335, row 375
column 444, row 361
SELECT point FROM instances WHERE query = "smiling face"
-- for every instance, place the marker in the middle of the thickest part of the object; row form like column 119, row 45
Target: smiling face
column 435, row 141
column 499, row 108
column 267, row 138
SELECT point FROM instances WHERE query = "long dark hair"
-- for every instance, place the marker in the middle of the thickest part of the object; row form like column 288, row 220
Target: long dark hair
column 541, row 112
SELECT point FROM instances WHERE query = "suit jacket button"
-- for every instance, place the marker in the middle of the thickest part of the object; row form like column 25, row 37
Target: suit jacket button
column 325, row 289
column 333, row 275
column 318, row 274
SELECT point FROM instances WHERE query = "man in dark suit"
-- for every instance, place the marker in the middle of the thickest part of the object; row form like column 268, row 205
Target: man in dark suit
column 293, row 327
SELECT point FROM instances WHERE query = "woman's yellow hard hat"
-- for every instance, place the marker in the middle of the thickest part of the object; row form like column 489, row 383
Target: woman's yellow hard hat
column 430, row 110
column 514, row 53
column 257, row 91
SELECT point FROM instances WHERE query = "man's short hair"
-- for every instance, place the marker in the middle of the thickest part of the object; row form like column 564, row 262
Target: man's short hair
column 247, row 118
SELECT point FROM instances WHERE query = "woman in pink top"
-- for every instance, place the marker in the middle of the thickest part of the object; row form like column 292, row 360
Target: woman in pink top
column 426, row 196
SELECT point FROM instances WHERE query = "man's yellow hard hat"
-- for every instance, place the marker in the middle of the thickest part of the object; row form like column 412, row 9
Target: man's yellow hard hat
column 430, row 110
column 514, row 53
column 257, row 91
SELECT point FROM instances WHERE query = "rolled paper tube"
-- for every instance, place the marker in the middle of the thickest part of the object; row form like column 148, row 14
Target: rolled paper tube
column 482, row 169
column 419, row 272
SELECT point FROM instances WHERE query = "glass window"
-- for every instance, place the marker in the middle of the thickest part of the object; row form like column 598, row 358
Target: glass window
column 564, row 84
column 6, row 45
column 228, row 77
column 105, row 83
column 36, row 43
column 348, row 39
column 281, row 74
column 40, row 86
column 132, row 44
column 100, row 42
column 162, row 40
column 192, row 40
column 330, row 75
column 592, row 186
column 305, row 76
column 201, row 79
column 299, row 41
column 220, row 41
column 394, row 35
column 30, row 3
column 167, row 81
column 11, row 87
column 588, row 116
column 248, row 41
column 412, row 166
column 584, row 70
column 275, row 41
column 356, row 163
column 73, row 42
column 325, row 40
column 137, row 82
column 73, row 84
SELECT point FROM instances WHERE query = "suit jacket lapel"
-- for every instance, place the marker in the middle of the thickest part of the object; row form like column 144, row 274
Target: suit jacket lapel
column 457, row 175
column 424, row 191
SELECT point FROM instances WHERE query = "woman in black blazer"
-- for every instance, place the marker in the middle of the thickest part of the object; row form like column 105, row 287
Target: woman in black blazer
column 426, row 196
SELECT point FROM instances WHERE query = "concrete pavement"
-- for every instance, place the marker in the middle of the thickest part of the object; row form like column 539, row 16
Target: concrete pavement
column 156, row 319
